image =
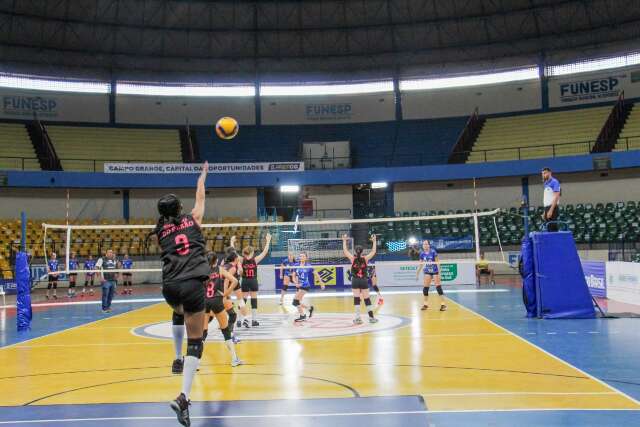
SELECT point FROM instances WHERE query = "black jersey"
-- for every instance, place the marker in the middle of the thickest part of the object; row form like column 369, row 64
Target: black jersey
column 228, row 266
column 215, row 284
column 249, row 268
column 183, row 251
column 359, row 268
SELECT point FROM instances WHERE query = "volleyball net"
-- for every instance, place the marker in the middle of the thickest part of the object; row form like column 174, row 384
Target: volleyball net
column 457, row 237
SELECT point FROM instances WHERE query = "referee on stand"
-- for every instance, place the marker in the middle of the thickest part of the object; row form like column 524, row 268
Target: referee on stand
column 551, row 199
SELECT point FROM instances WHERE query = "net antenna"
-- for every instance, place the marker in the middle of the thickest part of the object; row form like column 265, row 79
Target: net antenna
column 456, row 236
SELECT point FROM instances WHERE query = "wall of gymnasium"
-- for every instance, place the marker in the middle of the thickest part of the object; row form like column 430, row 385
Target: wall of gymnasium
column 588, row 187
column 334, row 200
column 108, row 204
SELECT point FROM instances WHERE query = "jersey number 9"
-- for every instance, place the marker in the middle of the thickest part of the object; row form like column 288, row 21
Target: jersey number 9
column 182, row 240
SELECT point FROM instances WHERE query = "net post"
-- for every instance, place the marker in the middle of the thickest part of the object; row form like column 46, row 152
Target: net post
column 476, row 231
column 23, row 231
column 67, row 250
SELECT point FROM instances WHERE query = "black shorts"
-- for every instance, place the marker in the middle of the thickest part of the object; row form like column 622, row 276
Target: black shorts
column 485, row 271
column 126, row 274
column 359, row 283
column 285, row 287
column 53, row 279
column 553, row 226
column 73, row 275
column 215, row 304
column 189, row 294
column 249, row 285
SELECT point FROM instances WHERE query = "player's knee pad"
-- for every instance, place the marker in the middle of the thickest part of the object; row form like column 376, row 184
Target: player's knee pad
column 356, row 300
column 254, row 303
column 178, row 319
column 367, row 302
column 439, row 289
column 295, row 302
column 226, row 333
column 194, row 347
column 425, row 291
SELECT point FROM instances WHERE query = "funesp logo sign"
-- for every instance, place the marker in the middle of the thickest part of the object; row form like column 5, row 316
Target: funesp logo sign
column 27, row 105
column 318, row 112
column 590, row 89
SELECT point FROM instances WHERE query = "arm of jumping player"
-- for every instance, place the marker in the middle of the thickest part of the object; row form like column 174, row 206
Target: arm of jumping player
column 345, row 249
column 265, row 251
column 198, row 210
column 374, row 248
column 232, row 242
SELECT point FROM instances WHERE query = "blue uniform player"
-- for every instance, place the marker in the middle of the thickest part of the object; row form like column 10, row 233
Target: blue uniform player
column 52, row 271
column 303, row 278
column 89, row 264
column 429, row 264
column 73, row 265
column 127, row 264
column 286, row 274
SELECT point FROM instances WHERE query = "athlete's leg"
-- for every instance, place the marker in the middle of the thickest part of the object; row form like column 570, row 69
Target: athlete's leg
column 367, row 302
column 254, row 308
column 194, row 325
column 356, row 304
column 285, row 286
column 225, row 329
column 425, row 291
column 443, row 306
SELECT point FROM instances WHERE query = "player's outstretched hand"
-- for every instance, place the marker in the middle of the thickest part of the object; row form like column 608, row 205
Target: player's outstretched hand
column 268, row 237
column 345, row 237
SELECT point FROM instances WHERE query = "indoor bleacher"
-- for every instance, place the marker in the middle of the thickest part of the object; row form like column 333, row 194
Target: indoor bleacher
column 559, row 133
column 83, row 148
column 16, row 150
column 629, row 138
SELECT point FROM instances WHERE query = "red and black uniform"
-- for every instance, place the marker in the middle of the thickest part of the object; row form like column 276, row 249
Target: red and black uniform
column 249, row 275
column 214, row 292
column 184, row 264
column 228, row 266
column 359, row 273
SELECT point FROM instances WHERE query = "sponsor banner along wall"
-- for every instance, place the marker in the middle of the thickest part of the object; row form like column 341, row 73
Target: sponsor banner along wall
column 167, row 110
column 455, row 102
column 596, row 277
column 589, row 88
column 187, row 168
column 404, row 273
column 328, row 109
column 623, row 282
column 54, row 106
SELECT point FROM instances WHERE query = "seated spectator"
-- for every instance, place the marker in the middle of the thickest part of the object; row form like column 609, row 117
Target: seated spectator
column 483, row 269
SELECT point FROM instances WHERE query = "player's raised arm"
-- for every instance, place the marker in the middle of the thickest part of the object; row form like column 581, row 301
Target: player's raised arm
column 345, row 249
column 374, row 248
column 198, row 210
column 265, row 251
column 232, row 242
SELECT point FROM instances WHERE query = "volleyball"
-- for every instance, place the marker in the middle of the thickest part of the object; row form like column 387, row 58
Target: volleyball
column 227, row 128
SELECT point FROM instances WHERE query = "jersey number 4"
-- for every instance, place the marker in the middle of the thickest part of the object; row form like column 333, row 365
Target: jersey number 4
column 182, row 241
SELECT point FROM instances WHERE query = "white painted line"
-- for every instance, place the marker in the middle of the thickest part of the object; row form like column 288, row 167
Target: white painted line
column 307, row 415
column 262, row 296
column 599, row 381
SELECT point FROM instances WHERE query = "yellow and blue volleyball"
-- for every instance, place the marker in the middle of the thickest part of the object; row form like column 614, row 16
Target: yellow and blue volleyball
column 227, row 128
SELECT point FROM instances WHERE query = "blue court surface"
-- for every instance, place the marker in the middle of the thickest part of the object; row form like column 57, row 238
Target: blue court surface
column 608, row 349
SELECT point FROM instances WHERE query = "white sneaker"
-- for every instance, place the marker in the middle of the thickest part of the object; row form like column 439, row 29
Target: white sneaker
column 236, row 362
column 373, row 320
column 357, row 321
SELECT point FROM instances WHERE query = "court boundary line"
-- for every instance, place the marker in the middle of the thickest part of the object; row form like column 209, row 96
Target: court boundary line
column 269, row 296
column 326, row 415
column 75, row 327
column 601, row 382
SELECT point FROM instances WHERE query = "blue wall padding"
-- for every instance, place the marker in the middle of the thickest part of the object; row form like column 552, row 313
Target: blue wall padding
column 23, row 301
column 561, row 289
column 528, row 277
